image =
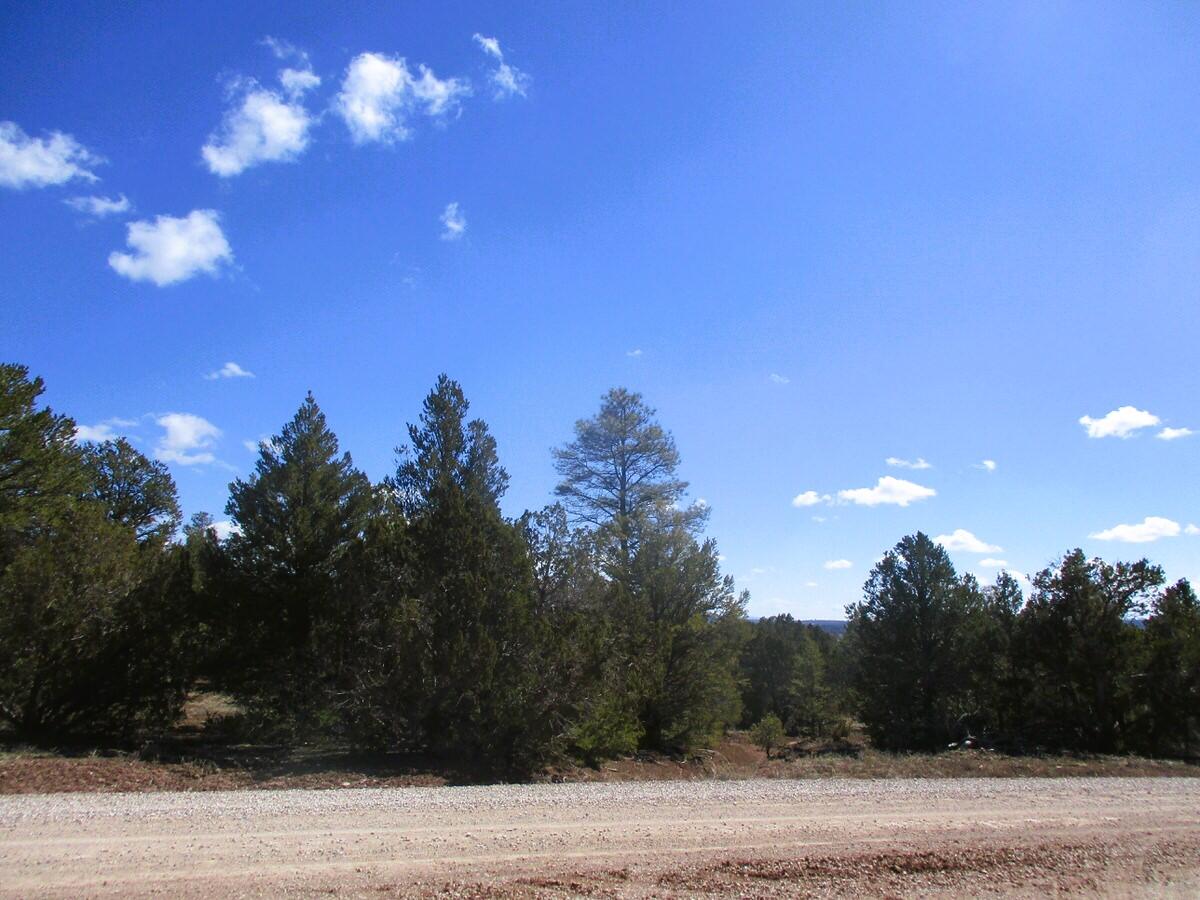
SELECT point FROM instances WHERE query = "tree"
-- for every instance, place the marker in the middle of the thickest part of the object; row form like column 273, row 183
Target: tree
column 910, row 643
column 783, row 673
column 136, row 492
column 298, row 518
column 40, row 473
column 476, row 689
column 1080, row 650
column 1172, row 677
column 620, row 471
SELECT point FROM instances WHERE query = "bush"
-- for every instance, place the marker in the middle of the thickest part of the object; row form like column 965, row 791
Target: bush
column 768, row 733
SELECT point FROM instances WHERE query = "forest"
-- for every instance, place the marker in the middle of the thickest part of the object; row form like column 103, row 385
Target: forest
column 411, row 614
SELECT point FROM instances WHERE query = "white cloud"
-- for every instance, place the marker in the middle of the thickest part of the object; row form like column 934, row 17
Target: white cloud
column 1148, row 530
column 263, row 127
column 635, row 353
column 229, row 370
column 454, row 223
column 837, row 564
column 187, row 439
column 284, row 49
column 38, row 162
column 1174, row 434
column 918, row 463
column 379, row 92
column 1192, row 529
column 887, row 490
column 225, row 529
column 99, row 207
column 961, row 539
column 1123, row 422
column 169, row 249
column 507, row 80
column 780, row 379
column 991, row 563
column 810, row 584
column 297, row 81
column 809, row 498
column 988, row 465
column 103, row 431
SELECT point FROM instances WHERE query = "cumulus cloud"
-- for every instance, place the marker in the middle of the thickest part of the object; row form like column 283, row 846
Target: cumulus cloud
column 988, row 465
column 1174, row 434
column 888, row 490
column 454, row 223
column 170, row 249
column 99, row 207
column 1150, row 529
column 261, row 127
column 187, row 439
column 991, row 563
column 39, row 162
column 961, row 539
column 832, row 564
column 918, row 463
column 229, row 370
column 507, row 80
column 297, row 81
column 809, row 498
column 780, row 379
column 102, row 431
column 1123, row 422
column 379, row 93
column 1192, row 529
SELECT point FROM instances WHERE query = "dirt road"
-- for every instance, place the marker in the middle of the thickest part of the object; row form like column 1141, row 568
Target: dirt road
column 1030, row 837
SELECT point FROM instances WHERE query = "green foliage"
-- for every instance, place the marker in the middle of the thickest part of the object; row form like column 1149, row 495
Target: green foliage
column 300, row 516
column 1171, row 686
column 783, row 673
column 135, row 491
column 1079, row 651
column 910, row 640
column 768, row 733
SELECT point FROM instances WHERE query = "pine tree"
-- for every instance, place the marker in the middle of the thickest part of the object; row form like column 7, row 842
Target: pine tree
column 298, row 516
column 136, row 491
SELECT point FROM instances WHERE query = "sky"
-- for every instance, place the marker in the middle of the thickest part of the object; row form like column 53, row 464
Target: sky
column 879, row 268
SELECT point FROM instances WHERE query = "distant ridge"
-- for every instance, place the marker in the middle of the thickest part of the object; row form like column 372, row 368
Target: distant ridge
column 835, row 627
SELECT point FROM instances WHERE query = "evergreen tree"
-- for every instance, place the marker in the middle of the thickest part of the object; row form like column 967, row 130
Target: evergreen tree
column 299, row 516
column 1080, row 650
column 910, row 640
column 1172, row 676
column 136, row 491
column 478, row 690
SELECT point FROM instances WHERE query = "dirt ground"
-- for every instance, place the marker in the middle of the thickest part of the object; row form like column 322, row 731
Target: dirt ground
column 1113, row 837
column 218, row 768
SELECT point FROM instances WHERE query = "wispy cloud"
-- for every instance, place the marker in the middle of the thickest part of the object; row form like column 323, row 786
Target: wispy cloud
column 454, row 222
column 100, row 207
column 918, row 463
column 988, row 465
column 108, row 430
column 1123, row 422
column 40, row 162
column 169, row 249
column 1150, row 529
column 634, row 353
column 507, row 80
column 991, row 563
column 779, row 379
column 229, row 370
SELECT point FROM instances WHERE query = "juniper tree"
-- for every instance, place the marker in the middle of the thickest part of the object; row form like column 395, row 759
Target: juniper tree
column 136, row 491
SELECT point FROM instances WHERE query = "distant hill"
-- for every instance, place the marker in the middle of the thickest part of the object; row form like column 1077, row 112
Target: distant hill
column 833, row 626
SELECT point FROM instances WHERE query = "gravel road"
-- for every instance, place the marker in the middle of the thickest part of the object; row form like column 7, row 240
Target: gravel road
column 1027, row 837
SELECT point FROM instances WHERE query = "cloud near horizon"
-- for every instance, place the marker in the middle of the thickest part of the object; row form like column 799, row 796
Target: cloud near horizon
column 963, row 540
column 1150, row 529
column 187, row 439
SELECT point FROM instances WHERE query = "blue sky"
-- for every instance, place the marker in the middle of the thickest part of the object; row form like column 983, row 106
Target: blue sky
column 814, row 239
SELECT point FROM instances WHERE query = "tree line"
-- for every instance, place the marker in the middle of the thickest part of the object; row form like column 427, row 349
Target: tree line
column 411, row 614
